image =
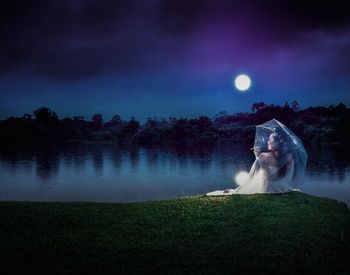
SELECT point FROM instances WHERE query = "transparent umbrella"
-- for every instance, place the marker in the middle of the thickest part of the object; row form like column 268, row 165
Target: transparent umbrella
column 291, row 144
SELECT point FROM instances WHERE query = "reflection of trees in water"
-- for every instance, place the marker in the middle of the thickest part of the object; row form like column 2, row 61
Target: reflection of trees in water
column 203, row 157
column 79, row 161
column 183, row 163
column 47, row 163
column 200, row 155
column 97, row 159
column 73, row 154
column 152, row 156
column 11, row 158
column 116, row 156
column 204, row 163
column 173, row 163
column 334, row 161
column 236, row 156
column 134, row 158
column 78, row 154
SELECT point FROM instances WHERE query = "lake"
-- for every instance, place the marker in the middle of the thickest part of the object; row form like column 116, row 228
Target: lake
column 108, row 173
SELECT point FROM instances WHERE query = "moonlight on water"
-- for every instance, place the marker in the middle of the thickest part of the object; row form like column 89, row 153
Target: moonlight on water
column 242, row 82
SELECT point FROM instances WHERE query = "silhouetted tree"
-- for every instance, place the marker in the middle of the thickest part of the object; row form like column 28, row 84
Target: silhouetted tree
column 128, row 130
column 204, row 123
column 78, row 118
column 46, row 117
column 116, row 119
column 151, row 122
column 295, row 106
column 257, row 106
column 97, row 121
column 340, row 107
column 19, row 131
column 27, row 116
column 113, row 124
column 132, row 126
column 220, row 118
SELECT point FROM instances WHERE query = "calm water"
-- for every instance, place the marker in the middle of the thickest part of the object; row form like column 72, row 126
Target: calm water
column 79, row 172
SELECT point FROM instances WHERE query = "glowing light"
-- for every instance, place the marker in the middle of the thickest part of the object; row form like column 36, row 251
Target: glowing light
column 241, row 178
column 242, row 82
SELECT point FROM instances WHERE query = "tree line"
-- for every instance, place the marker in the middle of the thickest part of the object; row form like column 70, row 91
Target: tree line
column 316, row 126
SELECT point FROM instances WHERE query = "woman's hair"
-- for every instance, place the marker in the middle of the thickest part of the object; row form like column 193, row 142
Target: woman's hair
column 279, row 140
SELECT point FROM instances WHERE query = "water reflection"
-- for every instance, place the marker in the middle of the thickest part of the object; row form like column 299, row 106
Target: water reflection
column 77, row 172
column 47, row 163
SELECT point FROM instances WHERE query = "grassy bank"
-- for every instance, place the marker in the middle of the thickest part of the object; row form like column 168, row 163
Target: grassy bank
column 294, row 233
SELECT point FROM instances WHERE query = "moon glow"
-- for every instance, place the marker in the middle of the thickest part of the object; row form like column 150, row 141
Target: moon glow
column 242, row 82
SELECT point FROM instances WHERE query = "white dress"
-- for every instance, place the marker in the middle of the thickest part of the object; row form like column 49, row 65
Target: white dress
column 267, row 175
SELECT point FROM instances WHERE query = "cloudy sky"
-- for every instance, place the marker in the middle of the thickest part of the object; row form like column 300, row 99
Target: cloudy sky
column 170, row 57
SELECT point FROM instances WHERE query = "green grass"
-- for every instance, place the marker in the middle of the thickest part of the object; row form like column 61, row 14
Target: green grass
column 294, row 233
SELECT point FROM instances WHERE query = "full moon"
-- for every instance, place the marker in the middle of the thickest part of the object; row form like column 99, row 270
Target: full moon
column 242, row 82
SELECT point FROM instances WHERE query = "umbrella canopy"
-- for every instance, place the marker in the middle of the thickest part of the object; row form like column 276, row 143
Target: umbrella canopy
column 290, row 144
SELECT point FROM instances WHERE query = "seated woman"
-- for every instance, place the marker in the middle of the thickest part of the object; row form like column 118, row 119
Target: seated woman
column 271, row 172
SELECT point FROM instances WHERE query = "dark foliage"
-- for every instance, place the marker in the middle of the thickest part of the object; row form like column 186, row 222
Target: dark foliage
column 316, row 126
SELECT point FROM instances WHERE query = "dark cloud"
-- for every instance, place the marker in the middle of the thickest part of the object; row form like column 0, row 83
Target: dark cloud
column 318, row 14
column 296, row 14
column 76, row 39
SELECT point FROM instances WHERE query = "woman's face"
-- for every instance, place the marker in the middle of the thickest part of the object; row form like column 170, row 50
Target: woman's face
column 271, row 143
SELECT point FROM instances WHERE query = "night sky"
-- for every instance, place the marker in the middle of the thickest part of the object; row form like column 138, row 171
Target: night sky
column 170, row 58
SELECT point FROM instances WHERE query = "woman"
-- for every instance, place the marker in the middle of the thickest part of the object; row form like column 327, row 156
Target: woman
column 271, row 172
